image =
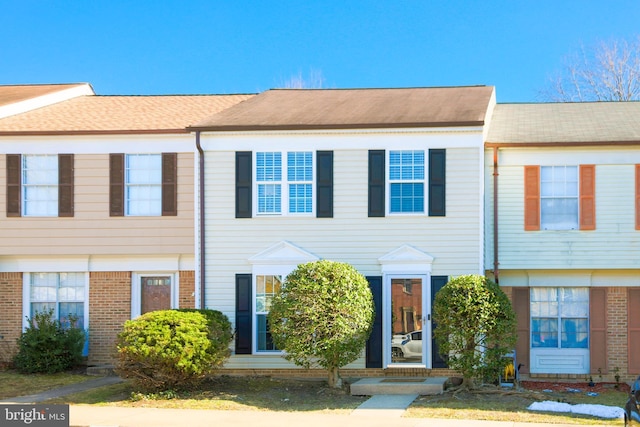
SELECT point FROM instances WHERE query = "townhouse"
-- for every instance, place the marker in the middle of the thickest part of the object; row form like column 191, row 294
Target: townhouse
column 98, row 202
column 388, row 180
column 562, row 233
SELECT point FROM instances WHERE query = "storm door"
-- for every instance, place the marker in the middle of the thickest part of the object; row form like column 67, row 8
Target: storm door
column 406, row 320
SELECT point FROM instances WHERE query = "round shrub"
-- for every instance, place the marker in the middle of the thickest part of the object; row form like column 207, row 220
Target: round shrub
column 47, row 346
column 172, row 349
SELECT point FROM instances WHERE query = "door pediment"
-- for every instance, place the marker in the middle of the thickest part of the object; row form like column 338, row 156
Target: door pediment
column 406, row 259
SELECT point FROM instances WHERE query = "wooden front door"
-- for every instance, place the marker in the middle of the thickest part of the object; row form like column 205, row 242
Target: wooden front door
column 156, row 293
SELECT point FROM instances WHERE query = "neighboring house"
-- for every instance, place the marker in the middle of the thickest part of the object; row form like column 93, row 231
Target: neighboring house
column 388, row 180
column 567, row 203
column 98, row 200
column 16, row 99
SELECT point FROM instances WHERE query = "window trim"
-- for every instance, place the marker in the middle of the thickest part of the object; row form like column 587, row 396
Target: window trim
column 26, row 296
column 136, row 289
column 284, row 185
column 276, row 271
column 424, row 181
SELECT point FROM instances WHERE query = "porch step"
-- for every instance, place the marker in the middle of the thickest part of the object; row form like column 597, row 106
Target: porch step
column 401, row 385
column 101, row 370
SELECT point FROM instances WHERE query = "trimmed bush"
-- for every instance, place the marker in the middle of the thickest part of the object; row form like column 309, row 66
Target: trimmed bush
column 47, row 346
column 172, row 349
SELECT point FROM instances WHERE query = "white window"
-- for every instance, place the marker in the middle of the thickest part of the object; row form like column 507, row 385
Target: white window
column 266, row 286
column 143, row 185
column 288, row 191
column 406, row 181
column 63, row 293
column 559, row 197
column 560, row 318
column 40, row 185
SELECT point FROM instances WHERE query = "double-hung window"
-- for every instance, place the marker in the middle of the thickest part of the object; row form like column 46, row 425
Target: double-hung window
column 62, row 293
column 559, row 197
column 40, row 185
column 406, row 181
column 143, row 185
column 284, row 187
column 560, row 318
column 266, row 288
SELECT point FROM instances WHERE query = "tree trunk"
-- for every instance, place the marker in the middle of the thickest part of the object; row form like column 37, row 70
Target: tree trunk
column 334, row 378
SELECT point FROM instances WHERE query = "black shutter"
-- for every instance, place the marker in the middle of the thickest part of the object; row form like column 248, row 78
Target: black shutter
column 169, row 184
column 324, row 184
column 437, row 282
column 437, row 180
column 374, row 344
column 244, row 167
column 14, row 185
column 376, row 183
column 243, row 314
column 116, row 184
column 65, row 185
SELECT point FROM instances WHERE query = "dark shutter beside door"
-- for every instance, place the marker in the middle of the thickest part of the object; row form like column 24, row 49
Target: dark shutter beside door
column 376, row 183
column 14, row 184
column 244, row 330
column 324, row 184
column 65, row 185
column 169, row 184
column 598, row 330
column 437, row 361
column 521, row 307
column 437, row 181
column 633, row 330
column 116, row 184
column 244, row 167
column 374, row 343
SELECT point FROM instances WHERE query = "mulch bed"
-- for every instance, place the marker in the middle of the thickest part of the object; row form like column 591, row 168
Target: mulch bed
column 556, row 386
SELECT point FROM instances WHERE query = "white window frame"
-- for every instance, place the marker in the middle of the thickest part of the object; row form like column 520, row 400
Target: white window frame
column 26, row 297
column 136, row 289
column 390, row 182
column 41, row 183
column 283, row 272
column 558, row 360
column 284, row 183
column 151, row 184
column 552, row 192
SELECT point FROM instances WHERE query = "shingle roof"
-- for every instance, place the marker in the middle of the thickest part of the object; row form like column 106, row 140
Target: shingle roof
column 584, row 122
column 119, row 114
column 289, row 109
column 10, row 94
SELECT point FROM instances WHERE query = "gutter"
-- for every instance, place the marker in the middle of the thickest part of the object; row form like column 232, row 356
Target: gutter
column 201, row 247
column 496, row 263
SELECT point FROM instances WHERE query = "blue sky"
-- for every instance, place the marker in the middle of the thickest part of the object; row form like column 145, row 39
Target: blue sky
column 239, row 46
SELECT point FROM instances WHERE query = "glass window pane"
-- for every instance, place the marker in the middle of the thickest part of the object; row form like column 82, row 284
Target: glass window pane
column 75, row 309
column 143, row 192
column 575, row 333
column 544, row 332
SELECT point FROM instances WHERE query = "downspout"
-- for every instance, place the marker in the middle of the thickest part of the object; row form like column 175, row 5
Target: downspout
column 201, row 218
column 496, row 263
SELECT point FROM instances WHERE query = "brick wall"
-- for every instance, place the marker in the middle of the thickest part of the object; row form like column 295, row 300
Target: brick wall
column 186, row 297
column 109, row 308
column 10, row 314
column 617, row 332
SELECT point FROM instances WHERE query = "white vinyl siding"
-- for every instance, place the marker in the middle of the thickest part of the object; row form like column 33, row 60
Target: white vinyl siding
column 560, row 249
column 350, row 236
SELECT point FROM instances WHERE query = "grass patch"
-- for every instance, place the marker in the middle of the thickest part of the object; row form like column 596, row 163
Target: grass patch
column 230, row 393
column 495, row 405
column 13, row 384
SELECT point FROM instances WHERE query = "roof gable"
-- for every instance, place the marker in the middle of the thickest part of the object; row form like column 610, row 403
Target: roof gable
column 16, row 99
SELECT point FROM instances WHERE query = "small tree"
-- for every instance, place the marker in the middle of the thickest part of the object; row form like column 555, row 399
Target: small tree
column 476, row 327
column 322, row 316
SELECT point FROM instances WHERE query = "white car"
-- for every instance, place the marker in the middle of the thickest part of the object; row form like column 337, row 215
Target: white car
column 407, row 346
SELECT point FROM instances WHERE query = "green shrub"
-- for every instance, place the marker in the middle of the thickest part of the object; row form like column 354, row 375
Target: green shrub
column 322, row 316
column 476, row 327
column 172, row 349
column 47, row 346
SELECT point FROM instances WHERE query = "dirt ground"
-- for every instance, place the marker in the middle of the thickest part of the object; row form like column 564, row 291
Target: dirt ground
column 557, row 386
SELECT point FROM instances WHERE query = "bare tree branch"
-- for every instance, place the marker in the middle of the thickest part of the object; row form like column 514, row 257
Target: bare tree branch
column 313, row 80
column 606, row 71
